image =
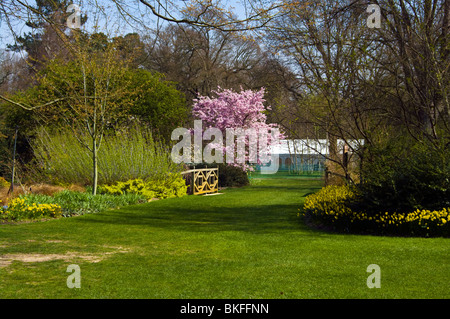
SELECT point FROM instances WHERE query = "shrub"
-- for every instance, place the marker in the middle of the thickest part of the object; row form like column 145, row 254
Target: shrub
column 334, row 206
column 173, row 186
column 136, row 186
column 231, row 176
column 404, row 175
column 20, row 208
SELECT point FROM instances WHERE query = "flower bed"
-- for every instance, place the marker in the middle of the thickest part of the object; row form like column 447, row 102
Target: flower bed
column 332, row 207
column 19, row 209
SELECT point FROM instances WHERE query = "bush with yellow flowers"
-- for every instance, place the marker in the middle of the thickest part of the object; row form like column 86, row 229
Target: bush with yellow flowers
column 19, row 209
column 173, row 186
column 334, row 207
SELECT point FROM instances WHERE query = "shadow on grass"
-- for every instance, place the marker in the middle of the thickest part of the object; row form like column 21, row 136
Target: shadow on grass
column 254, row 209
column 255, row 220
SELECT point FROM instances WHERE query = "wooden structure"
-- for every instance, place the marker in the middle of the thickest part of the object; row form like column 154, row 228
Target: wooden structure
column 202, row 181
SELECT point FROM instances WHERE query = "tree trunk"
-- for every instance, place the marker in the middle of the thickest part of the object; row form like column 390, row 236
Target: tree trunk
column 94, row 168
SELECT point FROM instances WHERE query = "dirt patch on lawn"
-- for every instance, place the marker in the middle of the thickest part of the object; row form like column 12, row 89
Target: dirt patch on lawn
column 7, row 259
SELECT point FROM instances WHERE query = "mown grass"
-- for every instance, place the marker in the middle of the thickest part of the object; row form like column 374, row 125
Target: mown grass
column 246, row 243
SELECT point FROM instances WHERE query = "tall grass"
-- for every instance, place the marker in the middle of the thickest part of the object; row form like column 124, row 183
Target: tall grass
column 123, row 155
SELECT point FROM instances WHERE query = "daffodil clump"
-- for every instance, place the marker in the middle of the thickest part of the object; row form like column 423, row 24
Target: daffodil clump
column 19, row 209
column 331, row 201
column 332, row 206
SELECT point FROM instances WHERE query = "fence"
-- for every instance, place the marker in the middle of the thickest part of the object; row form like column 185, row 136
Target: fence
column 202, row 181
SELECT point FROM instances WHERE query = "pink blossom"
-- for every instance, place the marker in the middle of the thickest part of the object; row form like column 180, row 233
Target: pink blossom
column 235, row 110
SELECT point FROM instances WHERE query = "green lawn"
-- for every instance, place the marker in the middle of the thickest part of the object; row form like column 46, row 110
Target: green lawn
column 245, row 243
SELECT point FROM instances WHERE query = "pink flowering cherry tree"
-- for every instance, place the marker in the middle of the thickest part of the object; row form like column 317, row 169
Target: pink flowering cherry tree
column 241, row 117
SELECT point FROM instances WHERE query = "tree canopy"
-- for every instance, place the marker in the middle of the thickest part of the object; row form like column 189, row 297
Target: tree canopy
column 328, row 73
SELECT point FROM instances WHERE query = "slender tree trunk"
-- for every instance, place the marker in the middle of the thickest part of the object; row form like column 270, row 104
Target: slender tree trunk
column 95, row 167
column 11, row 189
column 332, row 155
column 345, row 162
